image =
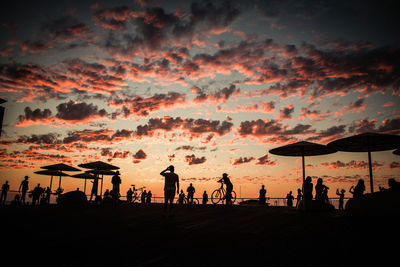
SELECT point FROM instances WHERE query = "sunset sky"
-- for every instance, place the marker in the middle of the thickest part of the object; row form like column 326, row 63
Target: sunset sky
column 209, row 87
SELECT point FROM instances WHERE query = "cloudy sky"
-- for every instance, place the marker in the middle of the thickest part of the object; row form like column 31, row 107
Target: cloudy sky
column 209, row 87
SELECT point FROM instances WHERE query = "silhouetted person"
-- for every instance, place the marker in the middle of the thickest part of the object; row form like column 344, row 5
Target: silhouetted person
column 95, row 187
column 48, row 194
column 229, row 187
column 262, row 198
column 190, row 190
column 129, row 195
column 358, row 190
column 393, row 185
column 23, row 188
column 116, row 181
column 4, row 190
column 307, row 189
column 341, row 198
column 143, row 196
column 289, row 199
column 36, row 193
column 171, row 186
column 148, row 197
column 58, row 193
column 205, row 198
column 17, row 200
column 181, row 197
column 106, row 194
column 320, row 188
column 299, row 197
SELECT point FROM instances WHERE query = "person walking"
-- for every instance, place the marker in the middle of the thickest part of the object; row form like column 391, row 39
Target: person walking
column 205, row 197
column 190, row 193
column 289, row 199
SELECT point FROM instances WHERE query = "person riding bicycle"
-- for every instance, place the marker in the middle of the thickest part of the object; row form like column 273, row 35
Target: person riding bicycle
column 190, row 190
column 229, row 187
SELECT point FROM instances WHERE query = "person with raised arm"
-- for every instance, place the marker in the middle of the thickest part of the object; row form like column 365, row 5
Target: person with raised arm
column 171, row 186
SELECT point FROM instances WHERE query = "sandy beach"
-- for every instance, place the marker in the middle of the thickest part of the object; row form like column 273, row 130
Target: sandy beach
column 212, row 235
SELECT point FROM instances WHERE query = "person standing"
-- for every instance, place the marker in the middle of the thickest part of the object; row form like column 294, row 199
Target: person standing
column 36, row 194
column 341, row 198
column 190, row 190
column 148, row 197
column 289, row 199
column 262, row 197
column 229, row 188
column 299, row 196
column 205, row 198
column 171, row 186
column 116, row 181
column 143, row 197
column 94, row 187
column 24, row 186
column 4, row 190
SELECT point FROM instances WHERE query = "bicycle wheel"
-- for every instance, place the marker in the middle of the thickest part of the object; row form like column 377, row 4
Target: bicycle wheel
column 196, row 201
column 216, row 196
column 233, row 199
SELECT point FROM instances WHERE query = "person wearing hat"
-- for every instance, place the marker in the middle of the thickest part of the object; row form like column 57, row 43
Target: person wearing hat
column 229, row 188
column 24, row 186
column 116, row 181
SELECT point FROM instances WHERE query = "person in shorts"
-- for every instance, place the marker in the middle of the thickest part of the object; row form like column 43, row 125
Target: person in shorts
column 171, row 186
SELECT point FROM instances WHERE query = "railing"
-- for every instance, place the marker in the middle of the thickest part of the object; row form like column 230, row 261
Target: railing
column 271, row 201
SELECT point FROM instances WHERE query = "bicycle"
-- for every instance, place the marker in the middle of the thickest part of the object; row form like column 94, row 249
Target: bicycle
column 186, row 201
column 220, row 194
column 136, row 196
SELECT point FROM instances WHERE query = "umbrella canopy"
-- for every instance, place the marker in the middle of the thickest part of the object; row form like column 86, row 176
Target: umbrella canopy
column 397, row 152
column 102, row 172
column 83, row 175
column 98, row 165
column 51, row 173
column 367, row 142
column 302, row 149
column 61, row 167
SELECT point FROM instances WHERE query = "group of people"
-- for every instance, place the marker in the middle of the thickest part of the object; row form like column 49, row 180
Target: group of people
column 145, row 197
column 39, row 194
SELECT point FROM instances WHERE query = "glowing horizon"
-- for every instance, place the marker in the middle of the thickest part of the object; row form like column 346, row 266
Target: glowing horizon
column 207, row 87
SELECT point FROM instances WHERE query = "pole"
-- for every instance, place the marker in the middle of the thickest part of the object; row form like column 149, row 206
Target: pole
column 51, row 181
column 304, row 171
column 84, row 187
column 370, row 171
column 59, row 182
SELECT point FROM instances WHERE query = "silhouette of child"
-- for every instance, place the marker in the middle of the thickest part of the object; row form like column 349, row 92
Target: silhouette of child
column 289, row 198
column 299, row 197
column 341, row 197
column 181, row 197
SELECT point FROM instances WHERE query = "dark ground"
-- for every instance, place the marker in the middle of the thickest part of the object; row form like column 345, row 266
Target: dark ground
column 138, row 235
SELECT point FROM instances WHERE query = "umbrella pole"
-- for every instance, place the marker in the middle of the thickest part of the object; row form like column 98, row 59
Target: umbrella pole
column 304, row 177
column 59, row 183
column 84, row 187
column 370, row 171
column 304, row 171
column 101, row 189
column 51, row 181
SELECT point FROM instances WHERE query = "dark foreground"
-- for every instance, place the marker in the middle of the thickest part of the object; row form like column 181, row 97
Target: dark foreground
column 138, row 235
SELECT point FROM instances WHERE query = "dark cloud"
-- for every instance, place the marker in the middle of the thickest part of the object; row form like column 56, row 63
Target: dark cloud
column 242, row 160
column 142, row 107
column 193, row 160
column 286, row 112
column 264, row 160
column 221, row 95
column 139, row 156
column 72, row 111
column 35, row 115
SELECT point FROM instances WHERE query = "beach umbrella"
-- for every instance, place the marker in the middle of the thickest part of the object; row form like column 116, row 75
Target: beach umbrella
column 397, row 152
column 302, row 149
column 52, row 173
column 367, row 142
column 99, row 167
column 85, row 176
column 59, row 167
